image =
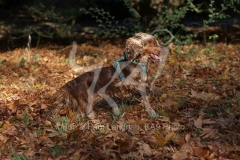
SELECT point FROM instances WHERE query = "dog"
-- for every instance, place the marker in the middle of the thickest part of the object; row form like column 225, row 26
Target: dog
column 128, row 71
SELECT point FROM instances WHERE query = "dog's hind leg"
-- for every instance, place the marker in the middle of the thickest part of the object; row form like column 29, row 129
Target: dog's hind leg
column 89, row 108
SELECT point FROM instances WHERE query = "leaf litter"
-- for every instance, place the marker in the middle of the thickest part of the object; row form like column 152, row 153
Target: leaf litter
column 197, row 98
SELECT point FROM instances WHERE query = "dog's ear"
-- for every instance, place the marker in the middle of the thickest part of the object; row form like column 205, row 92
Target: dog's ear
column 136, row 45
column 133, row 49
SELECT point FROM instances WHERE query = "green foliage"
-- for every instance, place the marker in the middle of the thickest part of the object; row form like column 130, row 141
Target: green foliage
column 218, row 106
column 62, row 123
column 80, row 117
column 213, row 37
column 26, row 119
column 131, row 10
column 126, row 106
column 17, row 156
column 38, row 132
column 22, row 62
column 108, row 26
column 37, row 85
column 238, row 101
column 172, row 19
column 214, row 13
column 238, row 48
column 1, row 62
column 56, row 150
column 60, row 20
column 207, row 51
column 161, row 112
column 220, row 58
column 35, row 59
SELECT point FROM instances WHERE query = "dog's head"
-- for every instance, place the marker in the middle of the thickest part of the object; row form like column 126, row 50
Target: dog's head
column 143, row 47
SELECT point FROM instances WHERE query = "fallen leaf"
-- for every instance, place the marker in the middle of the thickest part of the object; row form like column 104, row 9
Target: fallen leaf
column 200, row 95
column 208, row 121
column 198, row 122
column 160, row 139
column 201, row 152
column 147, row 149
column 209, row 133
column 131, row 121
column 187, row 137
column 179, row 155
column 169, row 136
column 43, row 106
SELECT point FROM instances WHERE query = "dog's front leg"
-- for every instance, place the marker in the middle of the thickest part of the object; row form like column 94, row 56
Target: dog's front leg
column 110, row 101
column 102, row 93
column 148, row 108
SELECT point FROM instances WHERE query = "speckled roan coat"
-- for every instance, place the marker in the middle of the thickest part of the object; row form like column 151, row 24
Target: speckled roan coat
column 79, row 93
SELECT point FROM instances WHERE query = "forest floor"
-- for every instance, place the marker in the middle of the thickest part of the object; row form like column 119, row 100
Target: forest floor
column 197, row 99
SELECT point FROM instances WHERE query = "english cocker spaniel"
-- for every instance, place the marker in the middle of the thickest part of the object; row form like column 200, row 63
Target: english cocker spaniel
column 128, row 71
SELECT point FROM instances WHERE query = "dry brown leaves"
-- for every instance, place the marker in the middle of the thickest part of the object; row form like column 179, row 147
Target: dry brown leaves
column 197, row 99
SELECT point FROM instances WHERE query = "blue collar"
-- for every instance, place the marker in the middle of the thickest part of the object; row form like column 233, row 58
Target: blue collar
column 123, row 58
column 117, row 66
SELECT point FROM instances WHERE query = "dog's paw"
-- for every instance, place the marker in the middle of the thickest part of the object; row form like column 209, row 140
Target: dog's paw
column 116, row 111
column 91, row 115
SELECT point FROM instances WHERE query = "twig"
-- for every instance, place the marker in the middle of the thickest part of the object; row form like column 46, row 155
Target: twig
column 42, row 35
column 28, row 48
column 164, row 30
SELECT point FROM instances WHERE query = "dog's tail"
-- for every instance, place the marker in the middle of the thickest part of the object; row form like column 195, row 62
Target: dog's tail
column 62, row 101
